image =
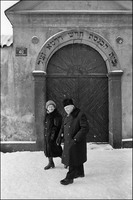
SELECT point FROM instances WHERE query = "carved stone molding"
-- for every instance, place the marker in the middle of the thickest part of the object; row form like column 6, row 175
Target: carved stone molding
column 77, row 36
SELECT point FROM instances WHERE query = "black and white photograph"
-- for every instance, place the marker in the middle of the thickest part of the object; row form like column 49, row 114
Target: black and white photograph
column 66, row 99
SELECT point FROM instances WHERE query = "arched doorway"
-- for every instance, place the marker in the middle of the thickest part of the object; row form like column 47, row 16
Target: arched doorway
column 110, row 68
column 78, row 71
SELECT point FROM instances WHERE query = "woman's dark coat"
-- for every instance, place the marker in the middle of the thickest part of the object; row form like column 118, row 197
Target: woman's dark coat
column 75, row 127
column 52, row 125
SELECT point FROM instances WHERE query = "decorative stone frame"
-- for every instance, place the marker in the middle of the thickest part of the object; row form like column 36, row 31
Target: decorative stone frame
column 114, row 79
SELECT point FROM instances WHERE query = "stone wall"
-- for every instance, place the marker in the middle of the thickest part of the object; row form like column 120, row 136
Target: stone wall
column 17, row 105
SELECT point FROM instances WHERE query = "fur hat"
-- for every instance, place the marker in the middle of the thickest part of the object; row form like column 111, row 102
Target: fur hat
column 50, row 102
column 67, row 102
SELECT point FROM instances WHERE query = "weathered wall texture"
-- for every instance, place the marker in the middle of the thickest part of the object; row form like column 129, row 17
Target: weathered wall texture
column 17, row 114
column 17, row 80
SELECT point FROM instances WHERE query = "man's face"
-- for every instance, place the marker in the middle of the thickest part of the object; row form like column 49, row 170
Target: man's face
column 50, row 108
column 69, row 109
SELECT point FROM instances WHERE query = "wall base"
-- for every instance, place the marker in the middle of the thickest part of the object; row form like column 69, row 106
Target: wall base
column 127, row 143
column 18, row 146
column 33, row 146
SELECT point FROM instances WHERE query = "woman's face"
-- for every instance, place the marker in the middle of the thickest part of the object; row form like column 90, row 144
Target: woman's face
column 50, row 108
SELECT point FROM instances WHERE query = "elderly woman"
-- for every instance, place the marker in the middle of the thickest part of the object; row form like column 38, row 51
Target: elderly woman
column 52, row 124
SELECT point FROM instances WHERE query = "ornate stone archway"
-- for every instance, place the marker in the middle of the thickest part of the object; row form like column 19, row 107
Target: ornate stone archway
column 114, row 78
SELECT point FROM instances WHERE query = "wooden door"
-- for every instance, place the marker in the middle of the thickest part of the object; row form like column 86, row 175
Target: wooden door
column 79, row 72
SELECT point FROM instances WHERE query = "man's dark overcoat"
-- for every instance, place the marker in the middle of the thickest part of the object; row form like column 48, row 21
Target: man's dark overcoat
column 75, row 127
column 52, row 125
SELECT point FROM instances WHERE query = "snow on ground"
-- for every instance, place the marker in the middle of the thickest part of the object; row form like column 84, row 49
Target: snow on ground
column 108, row 175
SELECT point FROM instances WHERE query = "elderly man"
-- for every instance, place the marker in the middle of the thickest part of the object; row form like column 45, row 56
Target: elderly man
column 74, row 130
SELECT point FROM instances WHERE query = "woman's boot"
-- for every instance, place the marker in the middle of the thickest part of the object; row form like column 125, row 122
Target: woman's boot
column 50, row 164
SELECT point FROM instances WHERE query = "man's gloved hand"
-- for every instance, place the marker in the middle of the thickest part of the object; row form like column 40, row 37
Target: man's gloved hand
column 58, row 141
column 74, row 141
column 52, row 137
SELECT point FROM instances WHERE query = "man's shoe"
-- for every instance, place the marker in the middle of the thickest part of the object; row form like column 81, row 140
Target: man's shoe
column 79, row 176
column 66, row 181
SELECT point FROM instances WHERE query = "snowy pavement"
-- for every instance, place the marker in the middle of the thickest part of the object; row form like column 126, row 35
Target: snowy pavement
column 108, row 175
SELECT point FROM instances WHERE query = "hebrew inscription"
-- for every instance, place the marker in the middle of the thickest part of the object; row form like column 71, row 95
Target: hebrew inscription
column 54, row 42
column 81, row 36
column 41, row 58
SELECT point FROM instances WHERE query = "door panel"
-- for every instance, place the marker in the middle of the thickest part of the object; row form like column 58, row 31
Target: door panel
column 93, row 100
column 89, row 94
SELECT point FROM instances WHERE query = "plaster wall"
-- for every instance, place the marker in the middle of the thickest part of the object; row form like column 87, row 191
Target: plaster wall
column 19, row 101
column 17, row 115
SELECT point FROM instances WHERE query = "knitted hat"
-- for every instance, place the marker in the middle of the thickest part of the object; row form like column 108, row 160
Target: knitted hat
column 50, row 102
column 67, row 102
